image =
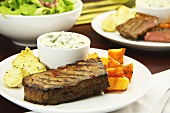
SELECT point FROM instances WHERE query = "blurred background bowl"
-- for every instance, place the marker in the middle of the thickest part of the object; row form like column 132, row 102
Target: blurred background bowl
column 158, row 8
column 24, row 30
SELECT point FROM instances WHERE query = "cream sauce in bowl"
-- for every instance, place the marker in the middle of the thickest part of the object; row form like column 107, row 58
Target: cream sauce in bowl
column 64, row 40
column 155, row 3
column 61, row 48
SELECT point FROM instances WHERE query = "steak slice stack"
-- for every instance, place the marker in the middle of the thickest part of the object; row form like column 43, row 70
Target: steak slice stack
column 158, row 35
column 73, row 81
column 138, row 26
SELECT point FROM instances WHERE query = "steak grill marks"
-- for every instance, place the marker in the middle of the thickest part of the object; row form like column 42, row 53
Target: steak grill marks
column 138, row 26
column 73, row 81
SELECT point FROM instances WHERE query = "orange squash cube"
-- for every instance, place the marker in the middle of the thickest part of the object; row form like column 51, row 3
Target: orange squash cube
column 118, row 83
column 117, row 54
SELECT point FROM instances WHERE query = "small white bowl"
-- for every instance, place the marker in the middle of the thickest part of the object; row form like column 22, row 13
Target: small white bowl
column 163, row 13
column 24, row 30
column 54, row 57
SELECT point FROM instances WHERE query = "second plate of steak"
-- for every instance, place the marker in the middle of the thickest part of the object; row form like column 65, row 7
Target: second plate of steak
column 158, row 35
column 138, row 26
column 66, row 83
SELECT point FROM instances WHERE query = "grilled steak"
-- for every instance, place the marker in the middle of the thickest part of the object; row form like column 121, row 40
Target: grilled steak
column 66, row 83
column 137, row 26
column 158, row 35
column 145, row 16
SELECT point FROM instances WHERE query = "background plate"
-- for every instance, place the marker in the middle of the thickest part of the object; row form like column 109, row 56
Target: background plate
column 140, row 84
column 115, row 36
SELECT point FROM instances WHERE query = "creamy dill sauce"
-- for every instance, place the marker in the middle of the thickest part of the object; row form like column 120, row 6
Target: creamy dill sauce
column 64, row 40
column 155, row 3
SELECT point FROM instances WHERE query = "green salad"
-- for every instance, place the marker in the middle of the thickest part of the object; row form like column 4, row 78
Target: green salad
column 35, row 7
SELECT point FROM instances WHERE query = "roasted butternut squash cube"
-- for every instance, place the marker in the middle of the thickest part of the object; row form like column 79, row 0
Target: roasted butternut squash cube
column 112, row 63
column 128, row 70
column 115, row 72
column 117, row 54
column 104, row 61
column 93, row 55
column 118, row 83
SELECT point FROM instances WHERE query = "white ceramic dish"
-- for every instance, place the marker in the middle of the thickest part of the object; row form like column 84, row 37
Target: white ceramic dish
column 140, row 84
column 115, row 36
column 163, row 13
column 24, row 30
column 49, row 55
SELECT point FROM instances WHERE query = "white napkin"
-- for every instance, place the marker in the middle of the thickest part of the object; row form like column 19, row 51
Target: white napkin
column 147, row 103
column 161, row 83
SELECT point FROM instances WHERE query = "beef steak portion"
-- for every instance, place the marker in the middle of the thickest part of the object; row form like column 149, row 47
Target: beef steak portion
column 138, row 26
column 158, row 35
column 66, row 83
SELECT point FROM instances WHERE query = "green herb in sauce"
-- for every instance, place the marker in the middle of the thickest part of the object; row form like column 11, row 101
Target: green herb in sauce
column 64, row 40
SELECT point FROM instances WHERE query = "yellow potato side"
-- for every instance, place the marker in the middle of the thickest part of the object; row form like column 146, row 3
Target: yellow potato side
column 32, row 67
column 109, row 25
column 24, row 56
column 24, row 64
column 113, row 20
column 13, row 77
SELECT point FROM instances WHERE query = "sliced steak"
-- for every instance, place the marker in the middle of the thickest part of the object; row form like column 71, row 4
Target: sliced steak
column 158, row 35
column 145, row 16
column 66, row 83
column 137, row 26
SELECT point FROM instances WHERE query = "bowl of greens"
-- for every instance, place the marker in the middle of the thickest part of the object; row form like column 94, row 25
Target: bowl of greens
column 24, row 20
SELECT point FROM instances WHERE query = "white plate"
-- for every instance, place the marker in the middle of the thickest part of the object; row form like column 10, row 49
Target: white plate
column 140, row 84
column 115, row 36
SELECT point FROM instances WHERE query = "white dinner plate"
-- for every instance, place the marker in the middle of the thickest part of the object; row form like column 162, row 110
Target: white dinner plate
column 115, row 36
column 140, row 84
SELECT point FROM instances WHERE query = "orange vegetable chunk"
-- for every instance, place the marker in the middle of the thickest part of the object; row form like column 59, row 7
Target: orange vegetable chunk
column 118, row 83
column 115, row 72
column 128, row 70
column 93, row 55
column 117, row 54
column 104, row 61
column 112, row 63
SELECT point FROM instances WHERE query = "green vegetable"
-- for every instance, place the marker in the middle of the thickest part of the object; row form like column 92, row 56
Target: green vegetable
column 35, row 7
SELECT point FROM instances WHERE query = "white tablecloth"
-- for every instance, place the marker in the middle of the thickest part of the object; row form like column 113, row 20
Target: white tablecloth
column 147, row 103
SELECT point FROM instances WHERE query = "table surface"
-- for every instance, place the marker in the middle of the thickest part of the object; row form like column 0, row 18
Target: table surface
column 155, row 61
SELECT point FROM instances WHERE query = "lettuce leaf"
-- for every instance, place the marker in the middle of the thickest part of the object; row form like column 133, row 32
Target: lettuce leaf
column 35, row 7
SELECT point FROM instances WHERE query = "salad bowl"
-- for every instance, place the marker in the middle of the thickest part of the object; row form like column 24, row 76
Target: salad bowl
column 24, row 29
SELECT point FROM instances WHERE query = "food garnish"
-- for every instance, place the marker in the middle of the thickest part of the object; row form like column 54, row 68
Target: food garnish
column 54, row 72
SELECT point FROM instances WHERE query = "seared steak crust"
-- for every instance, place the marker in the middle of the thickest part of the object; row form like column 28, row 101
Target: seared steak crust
column 138, row 26
column 66, row 83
